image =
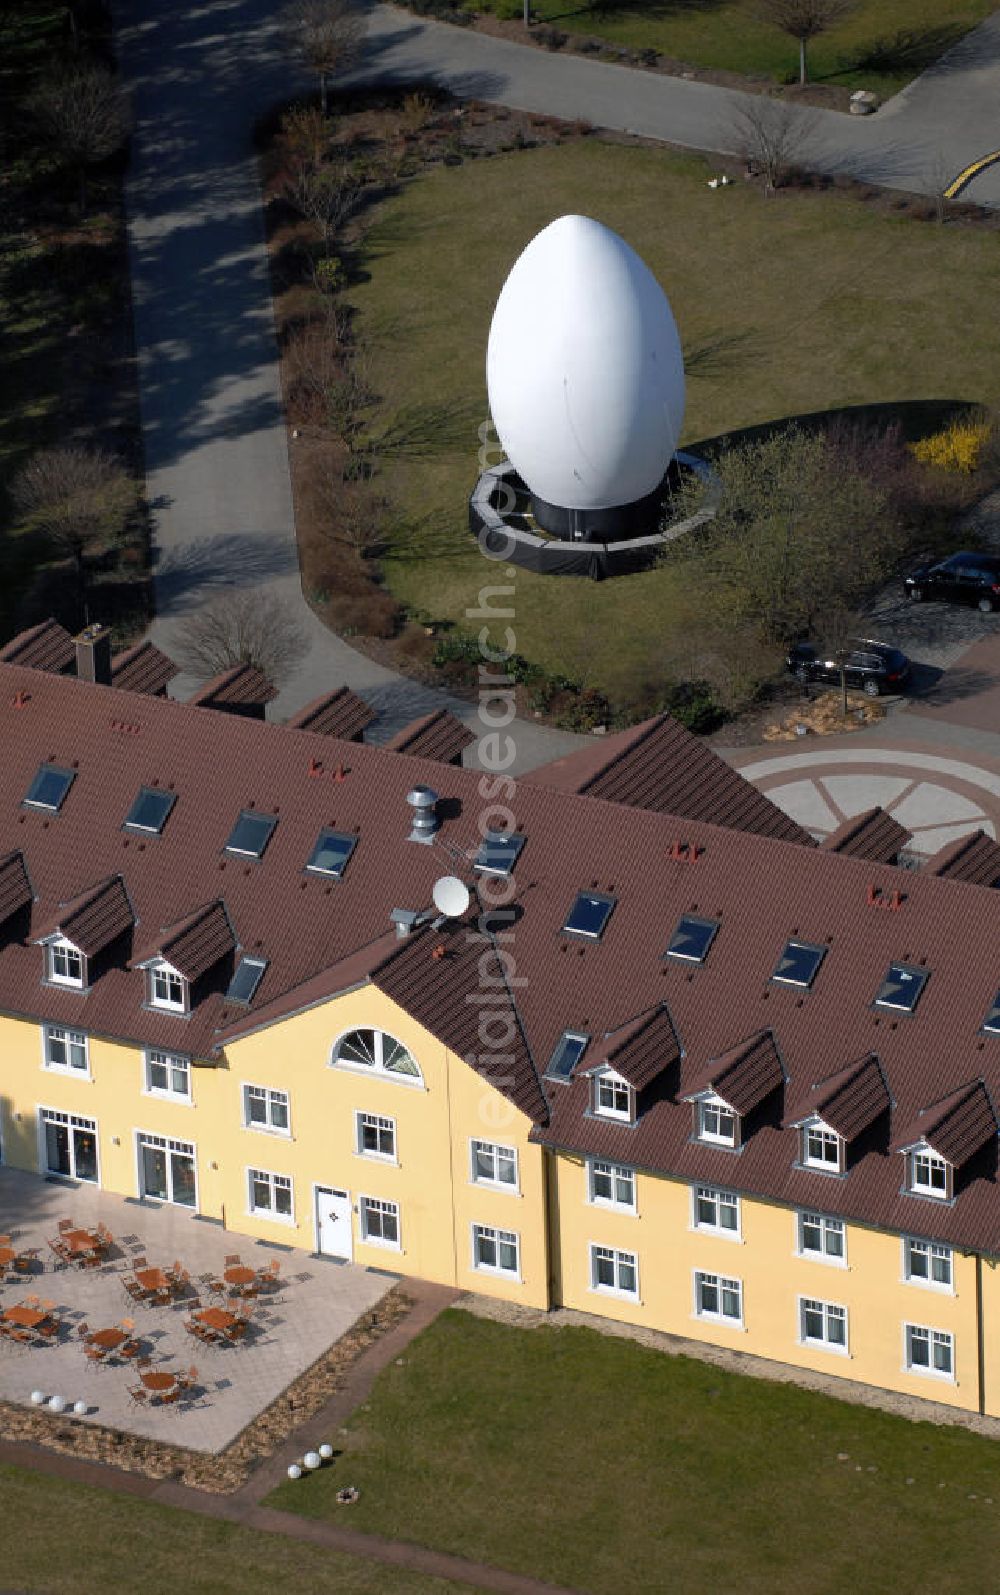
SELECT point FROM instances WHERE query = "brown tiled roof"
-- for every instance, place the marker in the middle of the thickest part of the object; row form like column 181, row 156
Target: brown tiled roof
column 974, row 858
column 242, row 686
column 641, row 1050
column 744, row 1075
column 440, row 736
column 92, row 920
column 849, row 1101
column 194, row 944
column 336, row 714
column 143, row 669
column 15, row 887
column 437, row 977
column 956, row 1127
column 761, row 890
column 47, row 646
column 660, row 766
column 874, row 835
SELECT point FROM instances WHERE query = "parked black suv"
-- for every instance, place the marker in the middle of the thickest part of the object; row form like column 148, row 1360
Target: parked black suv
column 960, row 579
column 872, row 666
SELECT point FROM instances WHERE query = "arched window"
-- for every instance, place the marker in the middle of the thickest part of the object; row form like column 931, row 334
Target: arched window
column 376, row 1051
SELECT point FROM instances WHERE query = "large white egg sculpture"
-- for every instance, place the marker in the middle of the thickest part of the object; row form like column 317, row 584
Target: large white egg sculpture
column 584, row 369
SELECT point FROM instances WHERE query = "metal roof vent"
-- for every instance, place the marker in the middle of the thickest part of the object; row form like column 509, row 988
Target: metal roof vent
column 423, row 802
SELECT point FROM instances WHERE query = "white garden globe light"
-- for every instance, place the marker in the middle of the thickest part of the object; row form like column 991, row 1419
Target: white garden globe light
column 294, row 1471
column 311, row 1460
column 584, row 369
column 57, row 1403
column 80, row 1409
column 37, row 1398
column 326, row 1450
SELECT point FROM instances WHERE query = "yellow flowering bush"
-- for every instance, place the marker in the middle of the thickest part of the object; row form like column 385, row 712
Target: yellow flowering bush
column 957, row 448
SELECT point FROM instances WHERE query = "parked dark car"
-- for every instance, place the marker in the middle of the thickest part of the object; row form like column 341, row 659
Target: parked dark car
column 873, row 667
column 959, row 579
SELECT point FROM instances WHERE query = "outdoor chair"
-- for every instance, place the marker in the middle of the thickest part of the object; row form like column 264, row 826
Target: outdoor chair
column 138, row 1394
column 95, row 1353
column 62, row 1260
column 144, row 1362
column 133, row 1290
column 32, row 1301
column 141, row 1261
column 127, row 1324
column 65, row 1224
column 23, row 1261
column 233, row 1259
column 5, row 1240
column 46, row 1305
column 83, row 1330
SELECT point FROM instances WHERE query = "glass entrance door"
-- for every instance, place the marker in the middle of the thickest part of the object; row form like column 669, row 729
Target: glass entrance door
column 70, row 1145
column 167, row 1170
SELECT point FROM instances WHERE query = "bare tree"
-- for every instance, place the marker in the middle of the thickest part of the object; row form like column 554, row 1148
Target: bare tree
column 802, row 20
column 354, row 514
column 326, row 34
column 771, row 137
column 325, row 193
column 85, row 114
column 78, row 498
column 243, row 626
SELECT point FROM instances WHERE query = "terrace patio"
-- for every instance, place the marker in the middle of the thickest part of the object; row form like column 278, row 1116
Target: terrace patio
column 293, row 1318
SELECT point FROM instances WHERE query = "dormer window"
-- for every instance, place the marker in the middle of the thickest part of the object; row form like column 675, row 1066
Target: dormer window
column 929, row 1175
column 167, row 988
column 614, row 1098
column 65, row 964
column 822, row 1148
column 715, row 1122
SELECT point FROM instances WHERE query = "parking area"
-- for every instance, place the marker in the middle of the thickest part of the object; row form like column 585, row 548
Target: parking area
column 214, row 1384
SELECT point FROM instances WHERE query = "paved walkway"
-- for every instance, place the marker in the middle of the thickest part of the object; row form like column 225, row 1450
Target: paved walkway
column 934, row 763
column 216, row 452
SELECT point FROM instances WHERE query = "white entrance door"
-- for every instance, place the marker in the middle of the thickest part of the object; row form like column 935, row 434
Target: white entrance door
column 334, row 1237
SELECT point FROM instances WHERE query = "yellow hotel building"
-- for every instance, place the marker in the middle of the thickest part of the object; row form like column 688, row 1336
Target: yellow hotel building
column 664, row 1059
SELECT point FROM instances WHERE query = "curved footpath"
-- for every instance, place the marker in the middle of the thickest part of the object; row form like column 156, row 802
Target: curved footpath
column 215, row 442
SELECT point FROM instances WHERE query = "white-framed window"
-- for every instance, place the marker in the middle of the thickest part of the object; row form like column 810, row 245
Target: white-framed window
column 265, row 1109
column 65, row 1051
column 822, row 1238
column 929, row 1351
column 167, row 987
column 718, row 1298
column 930, row 1175
column 613, row 1097
column 68, row 1145
column 822, row 1148
column 65, row 964
column 168, row 1075
column 375, row 1136
column 715, row 1210
column 611, row 1185
column 715, row 1122
column 376, row 1052
column 614, row 1273
column 270, row 1195
column 823, row 1323
column 496, row 1251
column 490, row 1164
column 167, row 1169
column 927, row 1263
column 379, row 1221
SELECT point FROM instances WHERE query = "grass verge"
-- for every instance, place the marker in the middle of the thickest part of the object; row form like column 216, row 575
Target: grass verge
column 603, row 1465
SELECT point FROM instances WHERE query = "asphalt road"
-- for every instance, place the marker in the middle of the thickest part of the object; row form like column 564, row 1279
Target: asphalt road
column 216, row 449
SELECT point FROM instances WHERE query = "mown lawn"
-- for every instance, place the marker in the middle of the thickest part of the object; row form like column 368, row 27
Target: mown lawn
column 882, row 45
column 67, row 1539
column 597, row 1463
column 784, row 306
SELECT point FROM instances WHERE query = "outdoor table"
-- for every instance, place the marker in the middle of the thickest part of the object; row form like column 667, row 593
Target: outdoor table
column 27, row 1317
column 216, row 1318
column 81, row 1240
column 7, row 1256
column 107, row 1339
column 158, row 1381
column 152, row 1279
column 239, row 1275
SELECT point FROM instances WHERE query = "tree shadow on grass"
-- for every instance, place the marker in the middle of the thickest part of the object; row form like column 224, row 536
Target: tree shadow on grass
column 637, row 10
column 909, row 51
column 720, row 354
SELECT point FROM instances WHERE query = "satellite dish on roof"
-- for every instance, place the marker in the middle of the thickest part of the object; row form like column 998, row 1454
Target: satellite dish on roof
column 451, row 896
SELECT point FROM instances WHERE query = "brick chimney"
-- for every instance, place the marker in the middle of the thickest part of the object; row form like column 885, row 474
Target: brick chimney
column 93, row 654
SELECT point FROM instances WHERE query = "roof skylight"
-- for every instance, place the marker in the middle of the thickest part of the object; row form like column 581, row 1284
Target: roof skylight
column 798, row 964
column 48, row 789
column 692, row 939
column 991, row 1024
column 251, row 834
column 150, row 809
column 498, row 852
column 569, row 1049
column 247, row 977
column 901, row 988
column 331, row 853
column 589, row 915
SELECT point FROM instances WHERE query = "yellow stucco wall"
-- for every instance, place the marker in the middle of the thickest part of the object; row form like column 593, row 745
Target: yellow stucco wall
column 774, row 1276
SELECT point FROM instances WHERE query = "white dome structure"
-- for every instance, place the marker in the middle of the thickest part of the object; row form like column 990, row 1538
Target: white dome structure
column 584, row 369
